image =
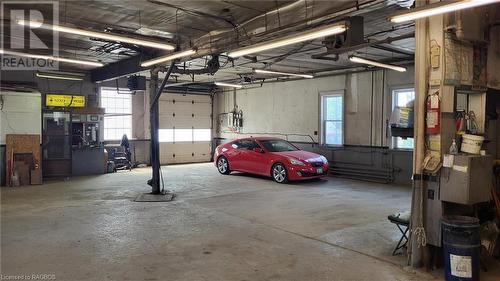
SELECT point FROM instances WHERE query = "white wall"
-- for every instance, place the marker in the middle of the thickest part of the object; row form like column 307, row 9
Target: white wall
column 20, row 114
column 292, row 107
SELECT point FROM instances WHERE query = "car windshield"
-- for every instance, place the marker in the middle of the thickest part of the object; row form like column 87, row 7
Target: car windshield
column 278, row 145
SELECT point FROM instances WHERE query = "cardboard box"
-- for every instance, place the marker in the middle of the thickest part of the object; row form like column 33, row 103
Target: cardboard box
column 36, row 176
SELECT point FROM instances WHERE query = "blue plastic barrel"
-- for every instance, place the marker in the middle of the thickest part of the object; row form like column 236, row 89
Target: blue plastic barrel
column 461, row 248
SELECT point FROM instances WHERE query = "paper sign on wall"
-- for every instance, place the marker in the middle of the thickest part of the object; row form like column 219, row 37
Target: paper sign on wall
column 65, row 101
column 448, row 160
column 458, row 168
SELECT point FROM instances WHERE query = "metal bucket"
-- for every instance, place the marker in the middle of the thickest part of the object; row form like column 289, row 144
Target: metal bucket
column 461, row 248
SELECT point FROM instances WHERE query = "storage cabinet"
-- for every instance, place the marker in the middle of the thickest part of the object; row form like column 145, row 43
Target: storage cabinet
column 468, row 181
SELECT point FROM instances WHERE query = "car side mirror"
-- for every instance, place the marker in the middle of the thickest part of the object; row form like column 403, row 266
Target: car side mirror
column 258, row 149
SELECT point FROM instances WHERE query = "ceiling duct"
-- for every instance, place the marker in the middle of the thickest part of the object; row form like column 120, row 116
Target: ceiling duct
column 354, row 35
column 282, row 21
column 403, row 3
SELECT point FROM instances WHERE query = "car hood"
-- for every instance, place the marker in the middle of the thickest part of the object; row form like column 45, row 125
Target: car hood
column 301, row 155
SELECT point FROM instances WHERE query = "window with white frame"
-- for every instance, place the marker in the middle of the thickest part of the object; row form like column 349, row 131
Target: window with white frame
column 332, row 118
column 118, row 116
column 402, row 98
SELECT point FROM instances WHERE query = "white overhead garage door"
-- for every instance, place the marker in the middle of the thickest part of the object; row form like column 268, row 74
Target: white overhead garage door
column 185, row 128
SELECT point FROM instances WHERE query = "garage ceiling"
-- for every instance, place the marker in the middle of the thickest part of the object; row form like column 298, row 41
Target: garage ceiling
column 219, row 26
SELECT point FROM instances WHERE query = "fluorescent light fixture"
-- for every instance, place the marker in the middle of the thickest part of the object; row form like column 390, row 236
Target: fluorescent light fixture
column 100, row 35
column 60, row 75
column 375, row 63
column 439, row 8
column 44, row 57
column 282, row 73
column 288, row 40
column 228, row 85
column 169, row 57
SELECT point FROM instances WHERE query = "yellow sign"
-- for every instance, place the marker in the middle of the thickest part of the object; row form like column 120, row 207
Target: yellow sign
column 64, row 101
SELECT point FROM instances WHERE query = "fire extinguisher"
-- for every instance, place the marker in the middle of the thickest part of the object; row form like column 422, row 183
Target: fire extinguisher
column 433, row 112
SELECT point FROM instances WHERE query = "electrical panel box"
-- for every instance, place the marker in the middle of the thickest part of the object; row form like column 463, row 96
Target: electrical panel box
column 468, row 180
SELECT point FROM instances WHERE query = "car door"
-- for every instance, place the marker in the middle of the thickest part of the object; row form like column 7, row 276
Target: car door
column 252, row 161
column 234, row 156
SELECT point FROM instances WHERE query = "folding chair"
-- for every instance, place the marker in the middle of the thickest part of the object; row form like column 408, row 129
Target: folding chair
column 402, row 221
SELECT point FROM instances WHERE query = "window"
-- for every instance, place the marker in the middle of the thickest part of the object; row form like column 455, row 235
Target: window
column 118, row 117
column 184, row 135
column 278, row 145
column 402, row 98
column 247, row 144
column 332, row 118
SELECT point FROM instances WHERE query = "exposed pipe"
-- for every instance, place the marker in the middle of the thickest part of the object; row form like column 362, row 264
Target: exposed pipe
column 387, row 40
column 393, row 49
column 212, row 67
column 219, row 40
column 358, row 174
column 349, row 70
column 313, row 142
column 194, row 12
column 154, row 102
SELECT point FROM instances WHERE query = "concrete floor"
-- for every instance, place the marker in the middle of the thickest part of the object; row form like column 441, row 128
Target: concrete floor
column 236, row 227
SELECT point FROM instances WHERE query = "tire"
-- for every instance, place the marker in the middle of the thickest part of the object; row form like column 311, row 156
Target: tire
column 223, row 166
column 279, row 173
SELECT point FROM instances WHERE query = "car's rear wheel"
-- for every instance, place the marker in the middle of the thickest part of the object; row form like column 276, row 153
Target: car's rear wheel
column 279, row 173
column 223, row 166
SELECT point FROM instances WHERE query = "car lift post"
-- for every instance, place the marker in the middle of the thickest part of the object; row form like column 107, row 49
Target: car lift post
column 154, row 122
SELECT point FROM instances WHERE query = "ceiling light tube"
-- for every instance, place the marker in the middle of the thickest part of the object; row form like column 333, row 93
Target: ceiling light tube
column 44, row 57
column 288, row 40
column 439, row 8
column 228, row 85
column 100, row 35
column 169, row 57
column 375, row 63
column 283, row 73
column 60, row 76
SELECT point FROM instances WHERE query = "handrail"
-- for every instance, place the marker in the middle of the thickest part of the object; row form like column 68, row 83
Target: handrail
column 278, row 134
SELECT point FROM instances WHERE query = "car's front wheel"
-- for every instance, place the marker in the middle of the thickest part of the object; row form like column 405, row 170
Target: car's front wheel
column 279, row 173
column 223, row 166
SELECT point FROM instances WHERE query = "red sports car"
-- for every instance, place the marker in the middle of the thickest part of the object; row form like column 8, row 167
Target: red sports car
column 269, row 157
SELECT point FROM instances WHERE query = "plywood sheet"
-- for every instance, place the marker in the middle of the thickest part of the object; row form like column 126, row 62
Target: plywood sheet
column 22, row 144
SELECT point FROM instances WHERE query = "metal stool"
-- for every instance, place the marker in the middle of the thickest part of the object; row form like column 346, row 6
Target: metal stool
column 402, row 221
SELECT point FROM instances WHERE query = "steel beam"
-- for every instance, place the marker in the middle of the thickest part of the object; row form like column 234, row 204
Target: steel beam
column 154, row 143
column 394, row 49
column 154, row 122
column 118, row 69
